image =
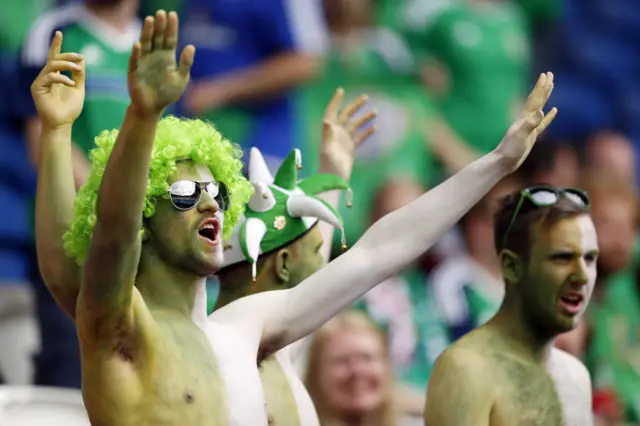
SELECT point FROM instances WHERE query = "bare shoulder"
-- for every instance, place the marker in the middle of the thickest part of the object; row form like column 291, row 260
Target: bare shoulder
column 460, row 391
column 572, row 367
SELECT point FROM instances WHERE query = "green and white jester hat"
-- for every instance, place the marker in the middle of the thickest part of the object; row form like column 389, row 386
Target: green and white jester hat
column 281, row 209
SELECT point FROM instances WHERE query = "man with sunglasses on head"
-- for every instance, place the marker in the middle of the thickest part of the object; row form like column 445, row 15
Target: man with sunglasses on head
column 507, row 372
column 150, row 354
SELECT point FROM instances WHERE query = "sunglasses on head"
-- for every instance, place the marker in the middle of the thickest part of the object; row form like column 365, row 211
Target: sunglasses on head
column 186, row 194
column 545, row 196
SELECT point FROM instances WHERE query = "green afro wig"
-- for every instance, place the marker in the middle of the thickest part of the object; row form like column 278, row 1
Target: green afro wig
column 176, row 139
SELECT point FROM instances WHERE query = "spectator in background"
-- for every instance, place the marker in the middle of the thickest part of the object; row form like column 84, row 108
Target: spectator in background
column 18, row 327
column 477, row 64
column 613, row 320
column 349, row 375
column 366, row 59
column 551, row 162
column 103, row 31
column 468, row 288
column 403, row 305
column 611, row 151
column 252, row 56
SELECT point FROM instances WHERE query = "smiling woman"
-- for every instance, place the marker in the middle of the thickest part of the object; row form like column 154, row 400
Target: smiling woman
column 176, row 139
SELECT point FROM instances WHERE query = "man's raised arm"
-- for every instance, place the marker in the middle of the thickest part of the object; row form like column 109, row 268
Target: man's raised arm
column 399, row 238
column 58, row 100
column 110, row 268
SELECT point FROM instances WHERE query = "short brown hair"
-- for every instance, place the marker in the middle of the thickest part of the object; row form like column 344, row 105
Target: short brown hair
column 519, row 239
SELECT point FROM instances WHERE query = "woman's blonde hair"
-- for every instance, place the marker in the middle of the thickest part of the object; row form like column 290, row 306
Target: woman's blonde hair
column 347, row 320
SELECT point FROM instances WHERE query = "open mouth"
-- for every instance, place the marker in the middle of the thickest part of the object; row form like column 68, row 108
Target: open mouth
column 572, row 302
column 208, row 231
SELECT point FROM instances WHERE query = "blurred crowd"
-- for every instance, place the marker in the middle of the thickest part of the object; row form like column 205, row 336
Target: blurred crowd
column 447, row 77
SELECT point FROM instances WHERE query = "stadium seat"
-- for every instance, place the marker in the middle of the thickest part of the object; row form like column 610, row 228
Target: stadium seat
column 38, row 406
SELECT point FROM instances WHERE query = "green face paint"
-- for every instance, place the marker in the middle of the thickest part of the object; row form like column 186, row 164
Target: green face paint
column 559, row 277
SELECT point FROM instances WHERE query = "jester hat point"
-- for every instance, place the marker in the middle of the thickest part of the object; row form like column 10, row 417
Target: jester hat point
column 281, row 209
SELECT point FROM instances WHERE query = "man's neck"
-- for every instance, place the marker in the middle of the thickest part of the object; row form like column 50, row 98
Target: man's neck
column 236, row 286
column 164, row 288
column 119, row 16
column 523, row 336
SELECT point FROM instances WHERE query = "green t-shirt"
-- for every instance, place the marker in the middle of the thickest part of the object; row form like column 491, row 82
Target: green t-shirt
column 397, row 148
column 106, row 52
column 404, row 306
column 15, row 19
column 613, row 355
column 486, row 52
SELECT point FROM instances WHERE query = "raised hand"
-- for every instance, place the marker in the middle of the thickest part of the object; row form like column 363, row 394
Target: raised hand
column 58, row 98
column 341, row 134
column 155, row 80
column 522, row 134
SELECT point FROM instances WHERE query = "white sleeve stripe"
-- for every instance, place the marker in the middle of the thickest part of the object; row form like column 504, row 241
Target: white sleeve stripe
column 307, row 23
column 36, row 44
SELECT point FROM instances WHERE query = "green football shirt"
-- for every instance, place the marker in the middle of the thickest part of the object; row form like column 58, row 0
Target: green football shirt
column 398, row 147
column 106, row 51
column 486, row 52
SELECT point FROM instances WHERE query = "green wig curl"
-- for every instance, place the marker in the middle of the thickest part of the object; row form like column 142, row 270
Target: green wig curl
column 176, row 139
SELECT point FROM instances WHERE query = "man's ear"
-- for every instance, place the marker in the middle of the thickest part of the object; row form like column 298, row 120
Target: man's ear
column 511, row 265
column 282, row 265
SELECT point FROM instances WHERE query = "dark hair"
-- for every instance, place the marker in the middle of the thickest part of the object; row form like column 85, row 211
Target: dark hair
column 519, row 239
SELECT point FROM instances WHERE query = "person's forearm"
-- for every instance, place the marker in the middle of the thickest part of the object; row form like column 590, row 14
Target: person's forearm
column 55, row 197
column 266, row 79
column 385, row 249
column 326, row 229
column 124, row 184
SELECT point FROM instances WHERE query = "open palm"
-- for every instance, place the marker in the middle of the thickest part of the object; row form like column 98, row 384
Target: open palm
column 522, row 134
column 341, row 134
column 58, row 98
column 155, row 80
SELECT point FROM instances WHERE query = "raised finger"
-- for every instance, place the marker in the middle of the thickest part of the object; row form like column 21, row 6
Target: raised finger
column 146, row 35
column 53, row 78
column 550, row 85
column 56, row 45
column 171, row 33
column 331, row 112
column 186, row 60
column 364, row 135
column 134, row 57
column 159, row 29
column 351, row 109
column 61, row 66
column 532, row 121
column 79, row 76
column 69, row 57
column 531, row 105
column 547, row 120
column 361, row 121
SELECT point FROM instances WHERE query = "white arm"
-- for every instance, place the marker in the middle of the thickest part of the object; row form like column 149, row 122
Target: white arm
column 387, row 247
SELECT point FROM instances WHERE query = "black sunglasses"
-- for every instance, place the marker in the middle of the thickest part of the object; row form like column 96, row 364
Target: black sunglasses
column 545, row 196
column 186, row 194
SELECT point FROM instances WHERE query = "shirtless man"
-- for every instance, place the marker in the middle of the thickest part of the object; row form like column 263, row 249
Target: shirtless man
column 507, row 372
column 152, row 233
column 294, row 247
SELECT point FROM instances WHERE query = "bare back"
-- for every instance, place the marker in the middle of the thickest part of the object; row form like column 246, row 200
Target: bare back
column 503, row 389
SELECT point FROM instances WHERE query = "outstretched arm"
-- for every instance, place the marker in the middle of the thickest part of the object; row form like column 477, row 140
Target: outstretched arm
column 58, row 100
column 399, row 238
column 106, row 295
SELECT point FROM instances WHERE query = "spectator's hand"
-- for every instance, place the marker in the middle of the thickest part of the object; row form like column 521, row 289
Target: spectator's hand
column 58, row 98
column 341, row 135
column 522, row 134
column 155, row 80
